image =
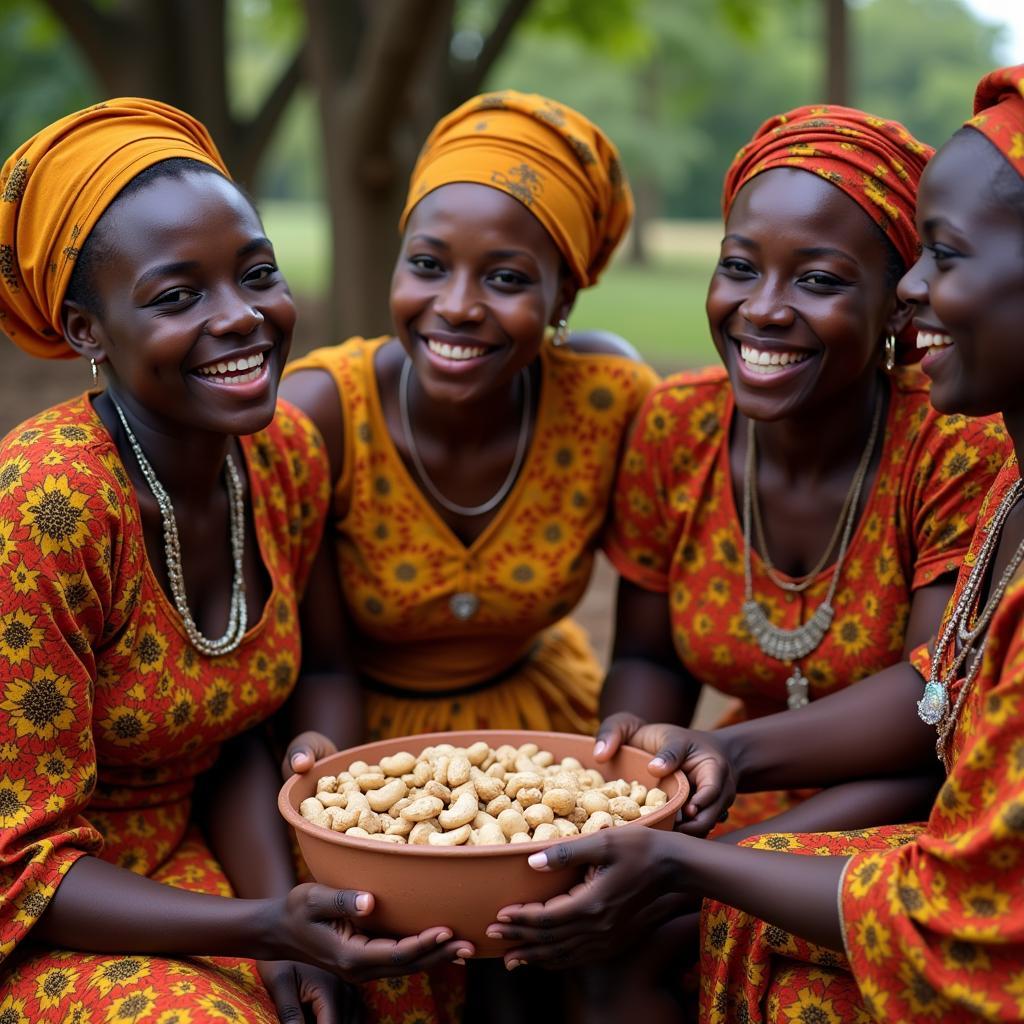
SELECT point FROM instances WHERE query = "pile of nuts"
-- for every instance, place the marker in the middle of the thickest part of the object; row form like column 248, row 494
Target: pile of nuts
column 475, row 796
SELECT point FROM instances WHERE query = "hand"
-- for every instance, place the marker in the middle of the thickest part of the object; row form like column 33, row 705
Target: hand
column 631, row 869
column 294, row 986
column 699, row 756
column 306, row 748
column 317, row 925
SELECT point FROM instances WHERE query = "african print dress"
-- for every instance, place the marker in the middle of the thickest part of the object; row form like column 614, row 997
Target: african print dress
column 109, row 715
column 932, row 916
column 450, row 636
column 676, row 529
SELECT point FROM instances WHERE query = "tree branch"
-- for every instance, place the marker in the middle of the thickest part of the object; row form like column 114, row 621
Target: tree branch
column 470, row 83
column 101, row 36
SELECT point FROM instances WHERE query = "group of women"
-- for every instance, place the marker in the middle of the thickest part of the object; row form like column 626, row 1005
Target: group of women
column 197, row 574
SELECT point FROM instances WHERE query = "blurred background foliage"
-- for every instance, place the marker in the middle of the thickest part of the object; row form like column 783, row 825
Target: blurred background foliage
column 321, row 105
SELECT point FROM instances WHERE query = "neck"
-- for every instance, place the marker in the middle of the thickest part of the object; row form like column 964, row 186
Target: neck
column 189, row 464
column 816, row 442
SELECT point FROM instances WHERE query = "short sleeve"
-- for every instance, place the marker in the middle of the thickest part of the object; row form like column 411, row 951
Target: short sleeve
column 935, row 926
column 957, row 460
column 66, row 578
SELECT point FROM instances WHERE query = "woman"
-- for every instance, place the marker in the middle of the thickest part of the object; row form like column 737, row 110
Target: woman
column 148, row 611
column 791, row 523
column 927, row 916
column 472, row 454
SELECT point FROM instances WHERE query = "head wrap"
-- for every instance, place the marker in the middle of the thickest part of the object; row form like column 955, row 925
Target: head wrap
column 559, row 165
column 55, row 188
column 999, row 112
column 877, row 163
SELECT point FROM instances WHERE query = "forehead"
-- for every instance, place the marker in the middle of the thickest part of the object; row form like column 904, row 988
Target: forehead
column 473, row 215
column 196, row 207
column 957, row 183
column 789, row 203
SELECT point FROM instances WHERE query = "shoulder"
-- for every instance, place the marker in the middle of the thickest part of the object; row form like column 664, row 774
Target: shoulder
column 602, row 343
column 290, row 449
column 691, row 388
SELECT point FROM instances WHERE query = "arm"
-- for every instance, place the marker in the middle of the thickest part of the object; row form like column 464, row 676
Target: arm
column 646, row 677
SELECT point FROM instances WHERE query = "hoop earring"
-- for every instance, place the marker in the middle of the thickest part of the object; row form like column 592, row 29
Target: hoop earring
column 95, row 372
column 889, row 348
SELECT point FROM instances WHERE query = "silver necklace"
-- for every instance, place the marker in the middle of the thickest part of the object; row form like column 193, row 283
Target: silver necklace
column 933, row 707
column 238, row 614
column 421, row 470
column 790, row 645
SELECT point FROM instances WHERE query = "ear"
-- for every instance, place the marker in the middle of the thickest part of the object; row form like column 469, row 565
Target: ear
column 899, row 316
column 567, row 291
column 83, row 331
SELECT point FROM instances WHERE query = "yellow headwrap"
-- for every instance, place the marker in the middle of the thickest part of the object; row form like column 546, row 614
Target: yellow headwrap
column 55, row 187
column 558, row 164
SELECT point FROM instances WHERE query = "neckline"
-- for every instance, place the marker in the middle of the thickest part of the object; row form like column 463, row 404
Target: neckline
column 394, row 456
column 736, row 519
column 168, row 606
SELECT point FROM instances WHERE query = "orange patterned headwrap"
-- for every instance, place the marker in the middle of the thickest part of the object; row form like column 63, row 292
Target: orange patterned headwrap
column 999, row 112
column 55, row 188
column 558, row 164
column 877, row 163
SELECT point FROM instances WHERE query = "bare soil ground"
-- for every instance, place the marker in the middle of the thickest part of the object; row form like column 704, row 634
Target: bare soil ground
column 28, row 386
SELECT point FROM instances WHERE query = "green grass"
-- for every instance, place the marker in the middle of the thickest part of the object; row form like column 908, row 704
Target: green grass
column 659, row 308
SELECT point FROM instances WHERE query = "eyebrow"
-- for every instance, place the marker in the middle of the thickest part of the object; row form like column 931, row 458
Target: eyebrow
column 825, row 250
column 493, row 254
column 187, row 266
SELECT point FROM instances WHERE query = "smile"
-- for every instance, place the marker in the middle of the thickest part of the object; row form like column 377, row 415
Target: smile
column 233, row 371
column 933, row 339
column 456, row 352
column 762, row 361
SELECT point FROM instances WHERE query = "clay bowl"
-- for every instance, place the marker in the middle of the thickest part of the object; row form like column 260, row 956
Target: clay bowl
column 462, row 887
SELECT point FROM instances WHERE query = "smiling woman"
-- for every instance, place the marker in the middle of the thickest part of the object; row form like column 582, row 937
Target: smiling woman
column 156, row 538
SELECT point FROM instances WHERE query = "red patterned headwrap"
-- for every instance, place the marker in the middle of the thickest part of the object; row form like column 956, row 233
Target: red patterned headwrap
column 999, row 113
column 877, row 163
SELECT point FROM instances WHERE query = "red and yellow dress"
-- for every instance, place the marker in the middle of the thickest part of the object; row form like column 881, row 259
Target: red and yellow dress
column 109, row 714
column 676, row 529
column 454, row 636
column 932, row 915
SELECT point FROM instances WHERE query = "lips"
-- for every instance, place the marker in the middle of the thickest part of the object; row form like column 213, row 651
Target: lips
column 766, row 361
column 457, row 353
column 238, row 370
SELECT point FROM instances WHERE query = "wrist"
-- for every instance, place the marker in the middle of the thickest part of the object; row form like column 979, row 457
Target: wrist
column 670, row 861
column 736, row 750
column 268, row 929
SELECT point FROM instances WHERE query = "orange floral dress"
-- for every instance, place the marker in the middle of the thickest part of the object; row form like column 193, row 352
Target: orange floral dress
column 109, row 715
column 932, row 915
column 507, row 655
column 676, row 529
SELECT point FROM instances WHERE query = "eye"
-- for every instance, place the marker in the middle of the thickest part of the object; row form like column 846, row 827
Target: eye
column 734, row 266
column 425, row 264
column 262, row 274
column 822, row 279
column 941, row 252
column 509, row 278
column 174, row 298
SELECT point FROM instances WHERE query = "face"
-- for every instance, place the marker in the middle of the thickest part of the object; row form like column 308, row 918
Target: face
column 195, row 320
column 477, row 281
column 967, row 289
column 798, row 304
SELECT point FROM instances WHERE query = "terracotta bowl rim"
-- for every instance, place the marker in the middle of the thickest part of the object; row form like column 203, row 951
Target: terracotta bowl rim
column 300, row 824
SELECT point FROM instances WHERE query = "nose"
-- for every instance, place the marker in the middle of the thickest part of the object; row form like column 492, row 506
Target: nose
column 458, row 300
column 766, row 305
column 913, row 286
column 233, row 314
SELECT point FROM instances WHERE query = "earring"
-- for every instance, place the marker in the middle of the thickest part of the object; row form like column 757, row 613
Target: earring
column 95, row 372
column 890, row 353
column 561, row 333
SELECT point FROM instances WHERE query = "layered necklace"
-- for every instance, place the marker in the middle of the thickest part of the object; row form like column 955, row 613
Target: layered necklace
column 421, row 471
column 238, row 614
column 933, row 707
column 791, row 645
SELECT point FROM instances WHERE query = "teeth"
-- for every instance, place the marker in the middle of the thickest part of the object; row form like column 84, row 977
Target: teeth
column 456, row 352
column 932, row 339
column 758, row 358
column 241, row 370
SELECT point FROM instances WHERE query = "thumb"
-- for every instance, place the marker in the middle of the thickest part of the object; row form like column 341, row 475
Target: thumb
column 588, row 850
column 332, row 904
column 613, row 732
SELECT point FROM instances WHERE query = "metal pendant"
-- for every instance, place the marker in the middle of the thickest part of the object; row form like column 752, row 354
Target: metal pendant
column 797, row 690
column 931, row 708
column 464, row 605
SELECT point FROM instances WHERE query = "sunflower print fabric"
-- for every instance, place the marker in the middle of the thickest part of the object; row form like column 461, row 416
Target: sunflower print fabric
column 108, row 713
column 401, row 566
column 933, row 927
column 676, row 529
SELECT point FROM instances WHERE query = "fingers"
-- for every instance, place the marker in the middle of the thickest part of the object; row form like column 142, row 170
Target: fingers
column 303, row 751
column 365, row 958
column 613, row 732
column 284, row 990
column 587, row 850
column 668, row 744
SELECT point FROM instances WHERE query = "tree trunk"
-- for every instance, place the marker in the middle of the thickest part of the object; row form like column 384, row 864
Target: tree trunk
column 837, row 53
